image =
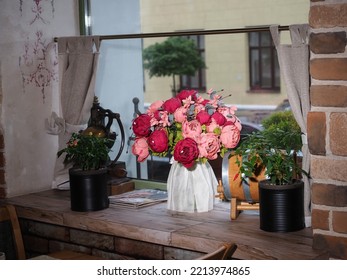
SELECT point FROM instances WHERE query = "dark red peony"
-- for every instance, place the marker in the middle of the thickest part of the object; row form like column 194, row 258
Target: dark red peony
column 142, row 125
column 219, row 118
column 158, row 141
column 203, row 117
column 186, row 93
column 172, row 104
column 186, row 152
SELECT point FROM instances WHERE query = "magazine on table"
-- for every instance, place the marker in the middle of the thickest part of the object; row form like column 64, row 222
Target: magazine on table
column 139, row 198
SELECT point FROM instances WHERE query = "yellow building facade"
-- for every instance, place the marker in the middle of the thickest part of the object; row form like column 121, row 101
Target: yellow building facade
column 227, row 55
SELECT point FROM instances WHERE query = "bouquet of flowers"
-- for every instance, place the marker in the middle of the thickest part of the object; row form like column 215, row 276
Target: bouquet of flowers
column 189, row 127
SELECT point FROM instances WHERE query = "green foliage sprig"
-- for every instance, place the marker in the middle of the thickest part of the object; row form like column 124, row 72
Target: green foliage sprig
column 86, row 151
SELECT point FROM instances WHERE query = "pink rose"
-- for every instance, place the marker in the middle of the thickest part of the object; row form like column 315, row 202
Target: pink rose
column 184, row 94
column 219, row 118
column 186, row 152
column 140, row 149
column 203, row 117
column 142, row 125
column 158, row 141
column 172, row 104
column 209, row 146
column 180, row 114
column 191, row 129
column 230, row 136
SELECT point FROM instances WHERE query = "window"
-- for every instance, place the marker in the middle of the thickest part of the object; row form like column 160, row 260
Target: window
column 198, row 81
column 263, row 63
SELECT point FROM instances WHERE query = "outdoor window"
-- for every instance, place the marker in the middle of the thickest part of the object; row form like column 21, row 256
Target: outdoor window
column 198, row 81
column 263, row 63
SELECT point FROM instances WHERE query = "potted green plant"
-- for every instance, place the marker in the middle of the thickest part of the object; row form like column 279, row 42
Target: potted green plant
column 88, row 154
column 275, row 149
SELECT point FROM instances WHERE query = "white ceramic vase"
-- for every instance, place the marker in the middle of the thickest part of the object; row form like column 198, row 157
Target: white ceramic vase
column 191, row 190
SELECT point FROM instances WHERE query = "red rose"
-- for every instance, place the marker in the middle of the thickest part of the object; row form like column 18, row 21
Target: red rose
column 172, row 104
column 219, row 118
column 203, row 117
column 186, row 152
column 158, row 141
column 142, row 125
column 186, row 93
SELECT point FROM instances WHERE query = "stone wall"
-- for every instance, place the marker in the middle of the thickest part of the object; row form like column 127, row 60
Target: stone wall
column 327, row 125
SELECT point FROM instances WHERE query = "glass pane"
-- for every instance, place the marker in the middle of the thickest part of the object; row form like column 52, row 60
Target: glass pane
column 265, row 39
column 254, row 39
column 266, row 68
column 255, row 82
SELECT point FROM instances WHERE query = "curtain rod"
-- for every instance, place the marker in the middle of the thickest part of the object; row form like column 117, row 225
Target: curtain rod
column 186, row 33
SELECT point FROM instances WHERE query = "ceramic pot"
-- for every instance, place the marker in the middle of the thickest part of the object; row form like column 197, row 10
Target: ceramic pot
column 88, row 189
column 281, row 206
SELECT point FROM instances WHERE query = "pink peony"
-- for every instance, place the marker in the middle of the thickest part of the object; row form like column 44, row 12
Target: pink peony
column 158, row 141
column 140, row 149
column 191, row 129
column 172, row 104
column 209, row 146
column 142, row 125
column 230, row 136
column 155, row 106
column 180, row 114
column 186, row 152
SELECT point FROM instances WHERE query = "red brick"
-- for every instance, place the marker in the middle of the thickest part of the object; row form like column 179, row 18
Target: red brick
column 328, row 95
column 335, row 245
column 316, row 131
column 2, row 160
column 328, row 43
column 2, row 143
column 139, row 249
column 326, row 16
column 3, row 192
column 330, row 195
column 338, row 134
column 329, row 68
column 2, row 177
column 340, row 221
column 320, row 219
column 325, row 168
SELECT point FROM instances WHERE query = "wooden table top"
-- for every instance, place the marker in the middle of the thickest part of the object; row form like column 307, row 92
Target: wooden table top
column 202, row 232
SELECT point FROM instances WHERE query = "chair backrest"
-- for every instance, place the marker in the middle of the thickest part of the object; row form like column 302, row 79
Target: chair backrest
column 224, row 252
column 8, row 213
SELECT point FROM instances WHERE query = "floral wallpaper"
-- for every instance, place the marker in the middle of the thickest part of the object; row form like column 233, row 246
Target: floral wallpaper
column 39, row 62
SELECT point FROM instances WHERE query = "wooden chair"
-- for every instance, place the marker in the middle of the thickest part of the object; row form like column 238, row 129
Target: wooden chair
column 224, row 252
column 8, row 213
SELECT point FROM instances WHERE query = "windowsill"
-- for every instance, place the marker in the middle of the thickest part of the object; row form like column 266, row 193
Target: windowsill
column 263, row 91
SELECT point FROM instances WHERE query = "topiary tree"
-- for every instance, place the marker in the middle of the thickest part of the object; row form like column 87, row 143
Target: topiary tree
column 174, row 56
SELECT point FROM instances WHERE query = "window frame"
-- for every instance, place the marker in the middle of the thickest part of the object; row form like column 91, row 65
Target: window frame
column 274, row 67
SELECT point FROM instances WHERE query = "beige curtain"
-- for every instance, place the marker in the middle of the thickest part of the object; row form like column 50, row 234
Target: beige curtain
column 294, row 65
column 78, row 59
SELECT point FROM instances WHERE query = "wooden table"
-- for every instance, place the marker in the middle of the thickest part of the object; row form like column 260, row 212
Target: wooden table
column 201, row 232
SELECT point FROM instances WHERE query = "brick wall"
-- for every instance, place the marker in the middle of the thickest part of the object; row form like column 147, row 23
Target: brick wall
column 327, row 125
column 41, row 238
column 2, row 167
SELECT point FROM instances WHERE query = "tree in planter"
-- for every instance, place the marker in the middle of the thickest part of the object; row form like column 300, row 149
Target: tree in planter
column 275, row 148
column 174, row 56
column 281, row 196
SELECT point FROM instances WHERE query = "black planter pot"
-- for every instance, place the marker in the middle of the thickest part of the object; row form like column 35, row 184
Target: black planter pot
column 281, row 208
column 88, row 189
